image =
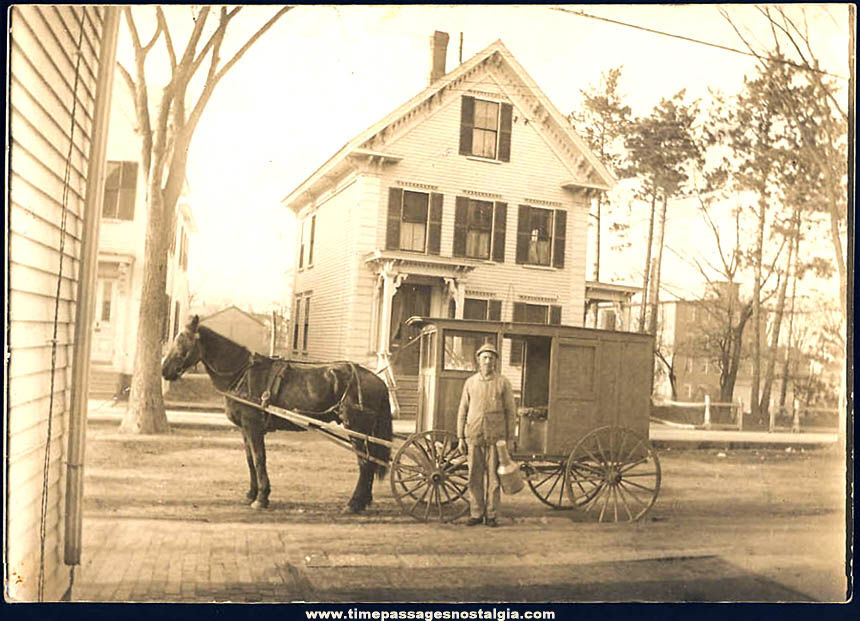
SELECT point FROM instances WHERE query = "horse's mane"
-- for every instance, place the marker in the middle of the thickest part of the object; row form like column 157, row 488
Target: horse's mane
column 221, row 343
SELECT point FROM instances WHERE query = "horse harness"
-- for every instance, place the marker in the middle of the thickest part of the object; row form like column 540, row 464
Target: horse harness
column 250, row 379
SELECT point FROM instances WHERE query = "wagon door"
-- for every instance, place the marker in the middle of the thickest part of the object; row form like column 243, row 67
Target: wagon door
column 573, row 403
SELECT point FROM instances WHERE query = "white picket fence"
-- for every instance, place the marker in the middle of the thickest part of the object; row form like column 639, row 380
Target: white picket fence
column 799, row 418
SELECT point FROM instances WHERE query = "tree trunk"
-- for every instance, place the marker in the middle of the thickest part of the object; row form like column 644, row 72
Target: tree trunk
column 655, row 283
column 727, row 381
column 145, row 413
column 647, row 263
column 756, row 314
column 786, row 365
column 764, row 406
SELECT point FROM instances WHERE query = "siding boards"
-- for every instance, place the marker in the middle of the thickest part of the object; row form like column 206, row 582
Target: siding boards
column 43, row 58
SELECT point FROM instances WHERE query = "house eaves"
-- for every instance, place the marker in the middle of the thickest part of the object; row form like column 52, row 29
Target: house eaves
column 342, row 161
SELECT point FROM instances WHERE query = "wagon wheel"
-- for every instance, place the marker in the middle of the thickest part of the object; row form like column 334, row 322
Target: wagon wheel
column 429, row 477
column 546, row 480
column 615, row 473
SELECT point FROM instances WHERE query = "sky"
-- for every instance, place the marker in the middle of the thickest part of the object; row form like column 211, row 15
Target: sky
column 322, row 74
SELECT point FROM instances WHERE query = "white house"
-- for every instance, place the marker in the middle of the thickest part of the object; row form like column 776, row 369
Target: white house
column 121, row 256
column 469, row 200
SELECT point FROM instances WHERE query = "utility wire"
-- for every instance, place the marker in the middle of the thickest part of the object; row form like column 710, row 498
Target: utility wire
column 726, row 48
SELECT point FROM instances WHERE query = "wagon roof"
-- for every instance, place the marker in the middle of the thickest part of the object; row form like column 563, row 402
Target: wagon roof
column 521, row 328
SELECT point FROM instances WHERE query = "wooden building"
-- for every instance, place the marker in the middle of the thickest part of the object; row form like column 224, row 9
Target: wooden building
column 469, row 200
column 61, row 61
column 253, row 330
column 122, row 241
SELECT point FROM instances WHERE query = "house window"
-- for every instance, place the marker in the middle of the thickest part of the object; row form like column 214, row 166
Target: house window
column 120, row 186
column 311, row 243
column 474, row 308
column 306, row 324
column 479, row 229
column 531, row 313
column 485, row 129
column 107, row 293
column 165, row 326
column 705, row 365
column 689, row 390
column 296, row 318
column 541, row 236
column 414, row 221
column 413, row 228
column 688, row 365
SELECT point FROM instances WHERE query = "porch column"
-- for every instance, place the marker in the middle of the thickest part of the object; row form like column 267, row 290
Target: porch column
column 457, row 292
column 391, row 281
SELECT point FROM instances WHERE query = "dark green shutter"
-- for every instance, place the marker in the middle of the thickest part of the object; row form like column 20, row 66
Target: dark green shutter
column 461, row 219
column 311, row 245
column 495, row 311
column 500, row 221
column 434, row 234
column 395, row 205
column 555, row 315
column 505, row 133
column 467, row 123
column 558, row 242
column 523, row 234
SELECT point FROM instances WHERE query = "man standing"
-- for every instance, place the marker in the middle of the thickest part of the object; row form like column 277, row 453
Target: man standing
column 486, row 415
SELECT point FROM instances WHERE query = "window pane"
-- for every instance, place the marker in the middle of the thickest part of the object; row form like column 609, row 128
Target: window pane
column 478, row 244
column 412, row 236
column 110, row 204
column 474, row 309
column 126, row 205
column 415, row 207
column 541, row 221
column 486, row 114
column 113, row 175
column 481, row 215
column 129, row 175
column 539, row 252
column 483, row 143
column 536, row 313
column 460, row 348
column 107, row 290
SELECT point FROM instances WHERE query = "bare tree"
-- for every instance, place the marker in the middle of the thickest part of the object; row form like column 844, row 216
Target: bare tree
column 166, row 137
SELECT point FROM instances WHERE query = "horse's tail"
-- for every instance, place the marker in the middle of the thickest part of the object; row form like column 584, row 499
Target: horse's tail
column 383, row 429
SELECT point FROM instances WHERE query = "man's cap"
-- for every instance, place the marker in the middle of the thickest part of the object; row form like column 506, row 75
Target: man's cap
column 487, row 347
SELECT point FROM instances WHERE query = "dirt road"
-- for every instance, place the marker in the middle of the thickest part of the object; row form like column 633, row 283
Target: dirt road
column 164, row 521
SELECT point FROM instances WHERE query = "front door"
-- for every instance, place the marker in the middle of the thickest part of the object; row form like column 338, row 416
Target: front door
column 409, row 300
column 105, row 320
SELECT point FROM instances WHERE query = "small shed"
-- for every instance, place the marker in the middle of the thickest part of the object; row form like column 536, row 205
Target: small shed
column 248, row 329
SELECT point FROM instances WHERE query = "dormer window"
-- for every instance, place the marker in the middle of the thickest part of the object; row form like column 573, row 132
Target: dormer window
column 485, row 129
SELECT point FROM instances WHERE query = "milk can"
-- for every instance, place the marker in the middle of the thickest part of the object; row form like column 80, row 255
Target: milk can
column 510, row 476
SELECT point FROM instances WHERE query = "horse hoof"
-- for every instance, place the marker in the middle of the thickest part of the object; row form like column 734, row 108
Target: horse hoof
column 351, row 509
column 260, row 504
column 250, row 499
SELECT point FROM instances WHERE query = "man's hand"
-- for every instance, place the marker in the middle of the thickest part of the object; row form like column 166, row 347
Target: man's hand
column 461, row 446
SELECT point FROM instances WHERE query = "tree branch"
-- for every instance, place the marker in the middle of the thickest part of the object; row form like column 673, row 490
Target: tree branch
column 126, row 76
column 252, row 40
column 199, row 60
column 159, row 13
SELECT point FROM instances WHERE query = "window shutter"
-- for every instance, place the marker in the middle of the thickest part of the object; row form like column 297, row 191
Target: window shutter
column 495, row 311
column 461, row 218
column 392, row 232
column 505, row 133
column 517, row 343
column 500, row 221
column 523, row 234
column 559, row 238
column 467, row 122
column 555, row 315
column 434, row 229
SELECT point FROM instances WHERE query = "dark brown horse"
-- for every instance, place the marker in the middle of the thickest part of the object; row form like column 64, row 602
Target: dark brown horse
column 338, row 391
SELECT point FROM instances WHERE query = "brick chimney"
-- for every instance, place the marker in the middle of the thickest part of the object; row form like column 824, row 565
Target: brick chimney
column 438, row 53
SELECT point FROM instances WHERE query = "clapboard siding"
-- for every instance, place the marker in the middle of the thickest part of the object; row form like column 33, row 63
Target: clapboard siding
column 44, row 104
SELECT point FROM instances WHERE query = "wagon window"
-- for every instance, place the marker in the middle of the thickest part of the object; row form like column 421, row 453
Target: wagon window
column 460, row 348
column 428, row 350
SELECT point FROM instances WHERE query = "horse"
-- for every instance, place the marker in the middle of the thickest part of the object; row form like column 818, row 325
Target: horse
column 337, row 391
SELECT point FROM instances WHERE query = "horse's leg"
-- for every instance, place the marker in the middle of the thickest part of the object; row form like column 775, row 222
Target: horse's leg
column 257, row 435
column 251, row 496
column 362, row 496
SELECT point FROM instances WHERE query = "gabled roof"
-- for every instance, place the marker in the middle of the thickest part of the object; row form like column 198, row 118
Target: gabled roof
column 336, row 164
column 233, row 307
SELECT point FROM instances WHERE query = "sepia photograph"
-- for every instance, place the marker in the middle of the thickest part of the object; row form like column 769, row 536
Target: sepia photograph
column 468, row 310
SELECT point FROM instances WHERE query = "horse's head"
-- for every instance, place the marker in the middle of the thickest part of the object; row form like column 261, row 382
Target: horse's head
column 185, row 351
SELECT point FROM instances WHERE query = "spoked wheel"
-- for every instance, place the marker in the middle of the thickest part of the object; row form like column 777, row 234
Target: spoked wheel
column 429, row 477
column 614, row 473
column 546, row 480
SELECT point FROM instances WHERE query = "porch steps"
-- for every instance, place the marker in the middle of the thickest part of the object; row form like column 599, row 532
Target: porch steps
column 407, row 395
column 103, row 383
